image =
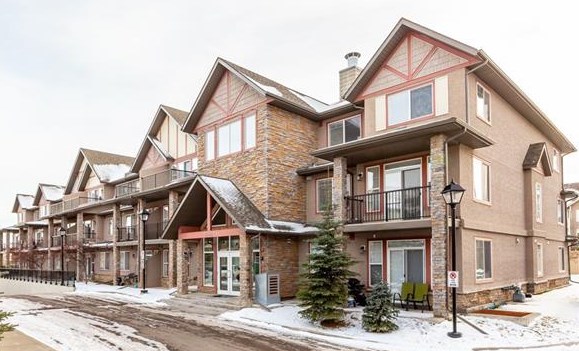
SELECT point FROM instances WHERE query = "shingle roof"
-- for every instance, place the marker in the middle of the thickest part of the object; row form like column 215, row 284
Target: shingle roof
column 50, row 192
column 95, row 157
column 535, row 154
column 179, row 115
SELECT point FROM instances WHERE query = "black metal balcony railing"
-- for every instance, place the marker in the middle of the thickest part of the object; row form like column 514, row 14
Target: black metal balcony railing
column 403, row 204
column 55, row 241
column 89, row 235
column 39, row 244
column 38, row 276
column 127, row 233
column 127, row 188
column 154, row 230
column 163, row 178
column 69, row 240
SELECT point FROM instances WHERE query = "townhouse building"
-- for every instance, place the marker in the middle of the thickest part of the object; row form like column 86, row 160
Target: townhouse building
column 234, row 187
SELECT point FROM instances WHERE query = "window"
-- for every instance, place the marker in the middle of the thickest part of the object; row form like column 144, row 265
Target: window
column 560, row 210
column 194, row 164
column 344, row 131
column 483, row 99
column 210, row 145
column 208, row 261
column 229, row 138
column 20, row 217
column 483, row 259
column 323, row 194
column 165, row 263
column 125, row 258
column 165, row 215
column 43, row 211
column 481, row 180
column 556, row 161
column 373, row 189
column 539, row 202
column 539, row 260
column 249, row 132
column 255, row 257
column 56, row 262
column 111, row 227
column 410, row 104
column 95, row 195
column 375, row 262
column 105, row 261
column 562, row 264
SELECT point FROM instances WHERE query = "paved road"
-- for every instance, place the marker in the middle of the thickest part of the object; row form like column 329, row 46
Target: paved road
column 182, row 325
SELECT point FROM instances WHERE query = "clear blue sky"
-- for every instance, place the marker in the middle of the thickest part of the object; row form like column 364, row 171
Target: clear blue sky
column 92, row 73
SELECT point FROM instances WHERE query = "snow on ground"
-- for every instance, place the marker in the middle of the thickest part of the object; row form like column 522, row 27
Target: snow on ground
column 64, row 329
column 154, row 296
column 555, row 329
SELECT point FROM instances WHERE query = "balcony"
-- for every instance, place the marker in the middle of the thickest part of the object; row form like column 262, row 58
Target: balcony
column 89, row 235
column 155, row 230
column 127, row 188
column 39, row 244
column 76, row 202
column 163, row 178
column 127, row 233
column 56, row 208
column 395, row 205
column 55, row 241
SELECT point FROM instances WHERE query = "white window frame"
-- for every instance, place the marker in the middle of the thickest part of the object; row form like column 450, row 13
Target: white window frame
column 539, row 202
column 540, row 260
column 210, row 282
column 318, row 181
column 226, row 131
column 561, row 257
column 484, row 277
column 486, row 119
column 210, row 145
column 380, row 244
column 343, row 123
column 556, row 160
column 480, row 197
column 125, row 258
column 408, row 92
column 249, row 125
column 560, row 211
column 375, row 189
column 165, row 271
column 105, row 261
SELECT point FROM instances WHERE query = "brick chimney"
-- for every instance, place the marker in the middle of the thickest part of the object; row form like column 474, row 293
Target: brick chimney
column 350, row 73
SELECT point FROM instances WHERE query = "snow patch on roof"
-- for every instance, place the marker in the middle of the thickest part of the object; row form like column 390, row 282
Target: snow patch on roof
column 264, row 87
column 52, row 192
column 160, row 147
column 318, row 105
column 26, row 201
column 111, row 172
column 42, row 222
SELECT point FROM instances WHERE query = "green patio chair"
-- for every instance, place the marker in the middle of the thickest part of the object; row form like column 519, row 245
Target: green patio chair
column 405, row 293
column 420, row 296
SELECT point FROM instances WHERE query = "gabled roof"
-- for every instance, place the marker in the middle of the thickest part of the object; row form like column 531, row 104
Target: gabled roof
column 106, row 166
column 538, row 153
column 150, row 140
column 24, row 201
column 488, row 71
column 280, row 94
column 51, row 193
column 245, row 214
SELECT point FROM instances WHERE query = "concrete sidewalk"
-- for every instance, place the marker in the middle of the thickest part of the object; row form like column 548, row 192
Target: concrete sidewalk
column 16, row 340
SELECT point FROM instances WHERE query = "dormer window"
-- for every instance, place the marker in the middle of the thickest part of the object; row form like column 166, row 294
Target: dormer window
column 344, row 131
column 410, row 104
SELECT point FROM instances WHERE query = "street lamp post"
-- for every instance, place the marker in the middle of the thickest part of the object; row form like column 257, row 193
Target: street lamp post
column 452, row 194
column 62, row 232
column 144, row 217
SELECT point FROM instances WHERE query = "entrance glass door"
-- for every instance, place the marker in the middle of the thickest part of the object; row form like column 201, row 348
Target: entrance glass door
column 402, row 182
column 229, row 266
column 405, row 263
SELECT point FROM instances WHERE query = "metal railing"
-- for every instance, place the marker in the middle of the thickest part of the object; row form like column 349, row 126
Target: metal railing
column 127, row 188
column 56, row 208
column 154, row 230
column 71, row 204
column 39, row 244
column 89, row 235
column 39, row 276
column 127, row 233
column 163, row 178
column 403, row 204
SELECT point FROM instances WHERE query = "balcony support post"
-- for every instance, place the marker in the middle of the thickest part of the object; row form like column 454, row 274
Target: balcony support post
column 141, row 243
column 116, row 257
column 182, row 284
column 439, row 220
column 339, row 188
column 80, row 260
column 50, row 265
column 172, row 263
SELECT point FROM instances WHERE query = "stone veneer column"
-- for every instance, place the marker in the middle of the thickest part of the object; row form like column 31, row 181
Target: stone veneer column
column 30, row 239
column 182, row 284
column 245, row 288
column 438, row 217
column 49, row 235
column 339, row 188
column 79, row 248
column 116, row 257
column 173, row 201
column 172, row 263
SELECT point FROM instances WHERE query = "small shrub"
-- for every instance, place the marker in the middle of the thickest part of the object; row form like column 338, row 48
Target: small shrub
column 5, row 327
column 379, row 313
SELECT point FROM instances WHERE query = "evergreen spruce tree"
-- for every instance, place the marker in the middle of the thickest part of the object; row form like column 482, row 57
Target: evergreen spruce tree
column 5, row 327
column 323, row 290
column 379, row 313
